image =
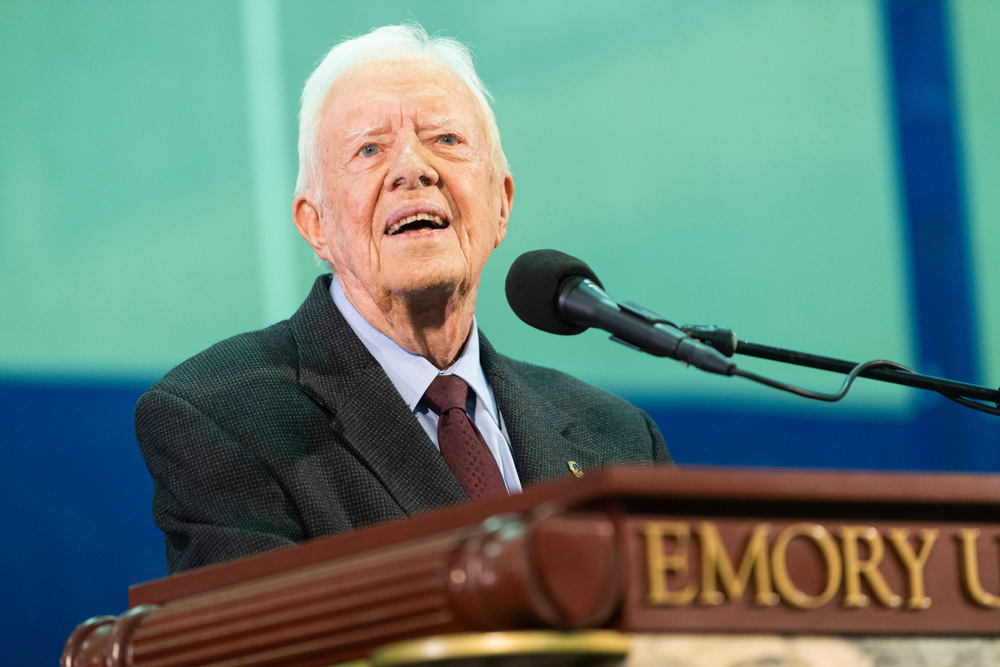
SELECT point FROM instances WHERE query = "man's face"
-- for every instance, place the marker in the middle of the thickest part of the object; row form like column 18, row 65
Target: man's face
column 413, row 201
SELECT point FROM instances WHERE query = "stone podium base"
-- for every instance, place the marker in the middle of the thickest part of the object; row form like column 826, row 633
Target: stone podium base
column 611, row 649
column 777, row 651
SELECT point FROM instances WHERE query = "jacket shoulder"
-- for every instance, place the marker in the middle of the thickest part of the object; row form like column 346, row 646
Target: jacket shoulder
column 254, row 363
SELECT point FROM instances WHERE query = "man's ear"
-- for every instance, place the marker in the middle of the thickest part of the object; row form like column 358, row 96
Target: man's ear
column 306, row 217
column 506, row 204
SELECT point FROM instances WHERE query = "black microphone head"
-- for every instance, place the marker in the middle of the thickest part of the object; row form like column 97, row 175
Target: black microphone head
column 533, row 285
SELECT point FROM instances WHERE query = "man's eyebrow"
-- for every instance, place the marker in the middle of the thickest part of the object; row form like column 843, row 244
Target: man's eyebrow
column 438, row 122
column 380, row 128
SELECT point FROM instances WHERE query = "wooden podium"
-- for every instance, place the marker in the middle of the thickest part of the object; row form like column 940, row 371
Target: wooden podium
column 579, row 565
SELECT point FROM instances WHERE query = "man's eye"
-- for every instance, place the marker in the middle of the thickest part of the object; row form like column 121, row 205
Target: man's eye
column 448, row 139
column 368, row 150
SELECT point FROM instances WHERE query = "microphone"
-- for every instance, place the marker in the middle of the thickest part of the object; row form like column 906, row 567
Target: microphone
column 560, row 294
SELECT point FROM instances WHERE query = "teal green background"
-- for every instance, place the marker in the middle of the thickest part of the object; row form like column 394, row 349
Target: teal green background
column 977, row 65
column 728, row 163
column 720, row 162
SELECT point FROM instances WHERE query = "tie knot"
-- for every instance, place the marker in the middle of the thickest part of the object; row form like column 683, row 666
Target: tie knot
column 446, row 392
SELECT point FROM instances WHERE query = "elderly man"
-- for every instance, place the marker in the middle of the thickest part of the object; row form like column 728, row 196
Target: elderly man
column 379, row 398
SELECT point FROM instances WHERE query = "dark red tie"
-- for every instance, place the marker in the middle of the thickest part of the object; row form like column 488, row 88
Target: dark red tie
column 462, row 445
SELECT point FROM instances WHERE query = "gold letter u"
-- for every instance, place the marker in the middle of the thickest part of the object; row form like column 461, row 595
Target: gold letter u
column 971, row 560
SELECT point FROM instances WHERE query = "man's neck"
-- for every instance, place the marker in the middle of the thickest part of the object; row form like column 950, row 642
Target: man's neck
column 434, row 325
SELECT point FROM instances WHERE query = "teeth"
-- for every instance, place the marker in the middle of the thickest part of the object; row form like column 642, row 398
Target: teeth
column 413, row 218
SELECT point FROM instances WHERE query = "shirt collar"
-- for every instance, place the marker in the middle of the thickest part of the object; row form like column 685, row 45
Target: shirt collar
column 410, row 373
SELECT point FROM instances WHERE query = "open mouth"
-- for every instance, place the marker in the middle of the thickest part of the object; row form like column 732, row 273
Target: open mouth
column 416, row 222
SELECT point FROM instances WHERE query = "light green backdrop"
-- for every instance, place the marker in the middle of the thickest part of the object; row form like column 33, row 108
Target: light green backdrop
column 720, row 162
column 977, row 49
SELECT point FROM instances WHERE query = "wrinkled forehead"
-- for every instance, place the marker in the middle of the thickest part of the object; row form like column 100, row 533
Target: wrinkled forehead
column 383, row 92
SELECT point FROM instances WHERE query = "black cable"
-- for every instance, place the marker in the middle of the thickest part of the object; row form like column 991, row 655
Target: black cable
column 818, row 395
column 849, row 380
column 907, row 378
column 975, row 405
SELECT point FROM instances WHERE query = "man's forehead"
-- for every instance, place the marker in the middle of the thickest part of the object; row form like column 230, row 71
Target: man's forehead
column 400, row 71
column 379, row 93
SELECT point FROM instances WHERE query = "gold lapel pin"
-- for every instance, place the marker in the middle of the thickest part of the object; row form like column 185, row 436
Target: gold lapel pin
column 575, row 468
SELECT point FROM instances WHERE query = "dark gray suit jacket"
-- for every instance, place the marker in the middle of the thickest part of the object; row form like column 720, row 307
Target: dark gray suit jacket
column 295, row 431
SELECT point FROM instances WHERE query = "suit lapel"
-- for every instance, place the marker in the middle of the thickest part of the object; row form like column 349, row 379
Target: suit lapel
column 536, row 427
column 339, row 373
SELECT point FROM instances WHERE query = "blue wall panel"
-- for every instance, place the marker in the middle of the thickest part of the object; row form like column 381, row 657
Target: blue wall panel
column 76, row 522
column 78, row 529
column 758, row 438
column 932, row 189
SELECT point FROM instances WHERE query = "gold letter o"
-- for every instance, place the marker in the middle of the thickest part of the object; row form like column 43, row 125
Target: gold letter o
column 831, row 554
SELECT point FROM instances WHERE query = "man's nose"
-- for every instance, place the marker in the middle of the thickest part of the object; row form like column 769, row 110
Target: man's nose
column 411, row 170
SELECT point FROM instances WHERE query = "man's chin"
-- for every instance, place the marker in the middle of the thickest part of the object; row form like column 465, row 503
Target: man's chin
column 421, row 280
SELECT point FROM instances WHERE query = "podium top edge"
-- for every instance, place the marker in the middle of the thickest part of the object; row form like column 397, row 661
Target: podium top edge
column 868, row 488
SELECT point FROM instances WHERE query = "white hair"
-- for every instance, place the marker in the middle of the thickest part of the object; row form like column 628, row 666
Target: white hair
column 391, row 41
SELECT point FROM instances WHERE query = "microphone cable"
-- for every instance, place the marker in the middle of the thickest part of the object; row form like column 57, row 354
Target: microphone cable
column 849, row 380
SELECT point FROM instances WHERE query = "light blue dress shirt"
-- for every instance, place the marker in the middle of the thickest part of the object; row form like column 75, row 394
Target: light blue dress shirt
column 411, row 374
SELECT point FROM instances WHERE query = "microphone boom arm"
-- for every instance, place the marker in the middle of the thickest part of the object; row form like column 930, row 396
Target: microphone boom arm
column 560, row 294
column 726, row 342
